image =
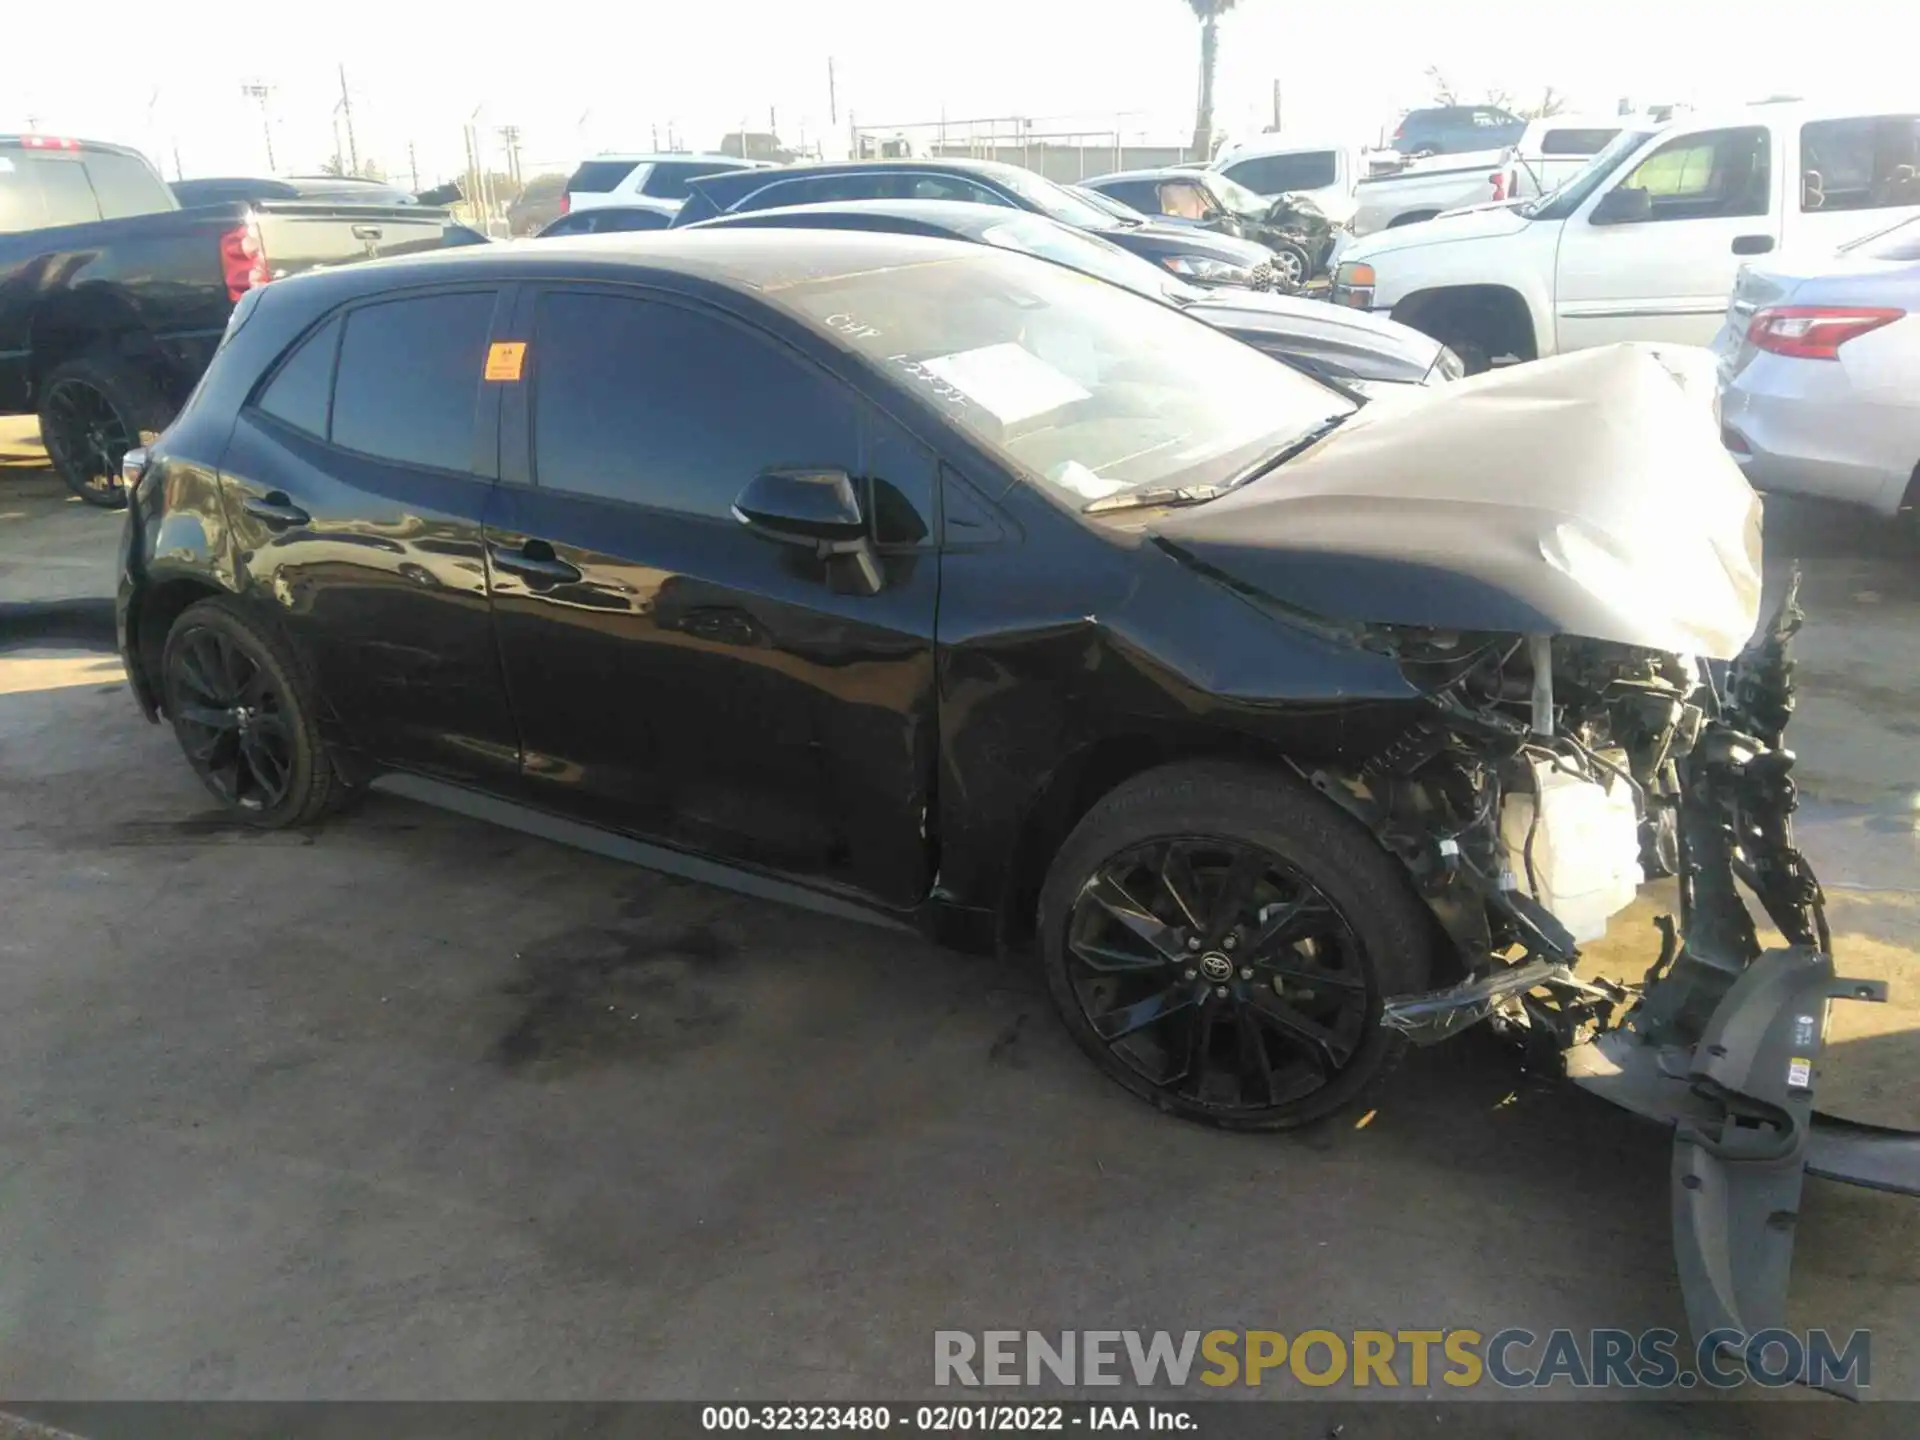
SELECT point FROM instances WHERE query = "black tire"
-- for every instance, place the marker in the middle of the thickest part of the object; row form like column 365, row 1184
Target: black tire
column 1371, row 937
column 1417, row 217
column 92, row 411
column 267, row 767
column 1292, row 267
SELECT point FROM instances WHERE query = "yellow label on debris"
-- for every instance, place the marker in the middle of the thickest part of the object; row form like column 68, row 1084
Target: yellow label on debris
column 504, row 359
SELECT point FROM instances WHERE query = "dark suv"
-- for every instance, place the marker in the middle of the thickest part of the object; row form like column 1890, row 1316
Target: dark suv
column 1456, row 129
column 880, row 571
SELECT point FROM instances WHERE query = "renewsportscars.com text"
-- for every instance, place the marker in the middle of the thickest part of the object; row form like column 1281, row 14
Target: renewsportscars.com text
column 1370, row 1359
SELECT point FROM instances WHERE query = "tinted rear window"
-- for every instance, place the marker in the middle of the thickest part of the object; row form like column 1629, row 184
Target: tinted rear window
column 409, row 373
column 599, row 176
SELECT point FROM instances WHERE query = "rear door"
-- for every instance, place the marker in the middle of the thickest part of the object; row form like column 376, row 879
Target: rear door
column 356, row 484
column 1855, row 176
column 672, row 673
column 1714, row 198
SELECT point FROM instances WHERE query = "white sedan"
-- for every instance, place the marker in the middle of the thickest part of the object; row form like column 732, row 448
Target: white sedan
column 1819, row 373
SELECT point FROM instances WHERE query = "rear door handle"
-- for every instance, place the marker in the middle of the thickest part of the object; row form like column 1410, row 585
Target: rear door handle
column 1752, row 244
column 367, row 232
column 533, row 562
column 276, row 509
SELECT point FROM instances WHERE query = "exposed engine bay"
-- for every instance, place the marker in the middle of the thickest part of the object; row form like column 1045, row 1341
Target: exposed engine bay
column 1551, row 777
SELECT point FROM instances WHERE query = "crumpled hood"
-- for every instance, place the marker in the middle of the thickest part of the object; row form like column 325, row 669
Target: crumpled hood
column 1584, row 495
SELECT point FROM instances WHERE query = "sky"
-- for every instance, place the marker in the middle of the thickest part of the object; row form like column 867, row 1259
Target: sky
column 578, row 77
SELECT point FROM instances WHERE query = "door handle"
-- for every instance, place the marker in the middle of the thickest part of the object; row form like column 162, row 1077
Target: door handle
column 534, row 562
column 275, row 508
column 367, row 232
column 1752, row 244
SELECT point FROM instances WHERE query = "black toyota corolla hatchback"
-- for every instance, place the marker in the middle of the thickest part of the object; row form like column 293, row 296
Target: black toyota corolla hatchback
column 949, row 584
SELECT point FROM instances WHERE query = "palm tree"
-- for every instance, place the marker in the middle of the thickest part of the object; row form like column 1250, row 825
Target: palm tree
column 1207, row 12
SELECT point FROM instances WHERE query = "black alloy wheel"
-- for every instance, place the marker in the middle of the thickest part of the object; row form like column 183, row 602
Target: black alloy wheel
column 1221, row 940
column 243, row 719
column 86, row 437
column 1218, row 973
column 228, row 715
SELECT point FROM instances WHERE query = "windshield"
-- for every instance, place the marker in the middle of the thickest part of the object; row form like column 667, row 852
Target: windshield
column 1036, row 235
column 1056, row 200
column 1236, row 197
column 1084, row 388
column 1569, row 194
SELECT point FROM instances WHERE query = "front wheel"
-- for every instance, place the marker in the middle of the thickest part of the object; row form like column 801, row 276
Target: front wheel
column 1220, row 940
column 1291, row 267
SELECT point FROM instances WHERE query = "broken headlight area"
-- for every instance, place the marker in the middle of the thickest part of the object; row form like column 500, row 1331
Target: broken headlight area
column 1548, row 778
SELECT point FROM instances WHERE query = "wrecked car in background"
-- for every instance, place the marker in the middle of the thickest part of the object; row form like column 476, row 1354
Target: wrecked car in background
column 1033, row 612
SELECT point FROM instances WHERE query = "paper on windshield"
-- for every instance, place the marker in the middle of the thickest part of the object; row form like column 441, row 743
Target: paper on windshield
column 1007, row 380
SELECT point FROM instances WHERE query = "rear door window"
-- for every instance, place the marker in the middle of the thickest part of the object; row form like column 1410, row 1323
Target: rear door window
column 632, row 220
column 597, row 177
column 409, row 375
column 299, row 392
column 41, row 191
column 1869, row 162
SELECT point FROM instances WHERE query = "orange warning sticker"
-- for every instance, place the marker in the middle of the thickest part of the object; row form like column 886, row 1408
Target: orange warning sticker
column 504, row 359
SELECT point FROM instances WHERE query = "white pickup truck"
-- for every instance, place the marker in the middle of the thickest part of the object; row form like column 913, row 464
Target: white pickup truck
column 1548, row 152
column 1644, row 242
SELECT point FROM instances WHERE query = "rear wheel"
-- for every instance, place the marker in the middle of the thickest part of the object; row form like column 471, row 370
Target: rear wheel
column 92, row 411
column 1220, row 940
column 244, row 721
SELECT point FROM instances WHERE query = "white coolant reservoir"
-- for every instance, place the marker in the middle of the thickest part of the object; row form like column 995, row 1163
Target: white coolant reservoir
column 1585, row 851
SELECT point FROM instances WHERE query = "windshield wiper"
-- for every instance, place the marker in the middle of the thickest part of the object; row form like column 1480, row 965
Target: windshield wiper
column 1196, row 494
column 1274, row 459
column 1159, row 495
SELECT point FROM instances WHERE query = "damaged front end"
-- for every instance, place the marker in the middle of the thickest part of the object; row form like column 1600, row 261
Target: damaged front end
column 1550, row 776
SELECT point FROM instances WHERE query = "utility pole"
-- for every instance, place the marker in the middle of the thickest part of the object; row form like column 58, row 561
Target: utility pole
column 833, row 99
column 346, row 111
column 255, row 90
column 1276, row 106
column 413, row 166
column 510, row 137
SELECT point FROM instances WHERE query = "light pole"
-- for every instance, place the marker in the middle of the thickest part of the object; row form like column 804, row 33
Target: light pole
column 257, row 91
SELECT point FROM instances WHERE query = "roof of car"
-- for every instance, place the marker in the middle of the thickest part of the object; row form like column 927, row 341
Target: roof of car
column 1159, row 172
column 960, row 217
column 741, row 258
column 963, row 164
column 657, row 156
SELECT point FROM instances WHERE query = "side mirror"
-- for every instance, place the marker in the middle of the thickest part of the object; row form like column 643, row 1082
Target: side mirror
column 1624, row 205
column 806, row 507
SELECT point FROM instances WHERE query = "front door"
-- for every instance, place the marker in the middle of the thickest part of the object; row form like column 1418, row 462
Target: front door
column 1713, row 199
column 674, row 674
column 356, row 483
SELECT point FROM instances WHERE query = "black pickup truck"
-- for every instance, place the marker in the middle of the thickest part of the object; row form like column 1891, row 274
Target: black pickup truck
column 113, row 298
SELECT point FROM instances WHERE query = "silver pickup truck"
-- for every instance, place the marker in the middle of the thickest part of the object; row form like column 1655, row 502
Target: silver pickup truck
column 1548, row 152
